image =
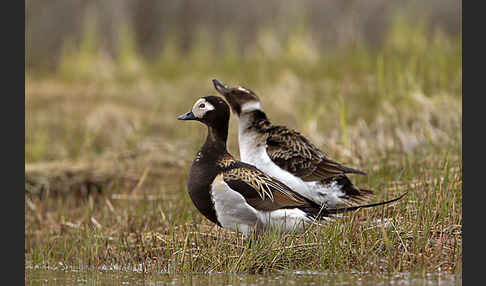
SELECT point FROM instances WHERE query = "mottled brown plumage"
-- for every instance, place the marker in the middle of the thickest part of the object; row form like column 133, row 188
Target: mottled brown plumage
column 262, row 191
column 289, row 149
column 294, row 153
column 272, row 194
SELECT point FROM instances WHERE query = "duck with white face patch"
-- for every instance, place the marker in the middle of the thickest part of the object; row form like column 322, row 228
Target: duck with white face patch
column 288, row 155
column 236, row 195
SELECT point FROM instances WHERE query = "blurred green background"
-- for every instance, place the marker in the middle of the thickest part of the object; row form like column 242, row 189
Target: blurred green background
column 356, row 76
column 316, row 57
column 235, row 28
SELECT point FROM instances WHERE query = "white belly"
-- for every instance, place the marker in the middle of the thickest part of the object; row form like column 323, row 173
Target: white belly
column 234, row 213
column 232, row 210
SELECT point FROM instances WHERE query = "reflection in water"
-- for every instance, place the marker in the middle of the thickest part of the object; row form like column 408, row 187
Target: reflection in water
column 118, row 277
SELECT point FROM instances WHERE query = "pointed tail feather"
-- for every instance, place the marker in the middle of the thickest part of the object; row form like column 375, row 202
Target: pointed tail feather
column 351, row 170
column 332, row 165
column 349, row 209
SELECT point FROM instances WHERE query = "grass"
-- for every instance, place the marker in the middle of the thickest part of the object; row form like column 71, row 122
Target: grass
column 106, row 161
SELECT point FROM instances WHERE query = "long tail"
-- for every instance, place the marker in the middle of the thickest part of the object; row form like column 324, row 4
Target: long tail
column 349, row 209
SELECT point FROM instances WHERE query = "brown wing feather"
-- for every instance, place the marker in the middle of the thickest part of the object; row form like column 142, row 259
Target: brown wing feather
column 262, row 191
column 294, row 153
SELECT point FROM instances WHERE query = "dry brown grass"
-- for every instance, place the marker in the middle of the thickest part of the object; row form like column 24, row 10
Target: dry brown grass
column 106, row 163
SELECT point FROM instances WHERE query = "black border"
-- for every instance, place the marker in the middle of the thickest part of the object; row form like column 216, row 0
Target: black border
column 13, row 139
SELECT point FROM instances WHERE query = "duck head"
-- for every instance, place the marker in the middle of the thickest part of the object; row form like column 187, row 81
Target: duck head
column 242, row 100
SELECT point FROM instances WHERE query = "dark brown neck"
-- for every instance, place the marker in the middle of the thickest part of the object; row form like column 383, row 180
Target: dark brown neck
column 215, row 144
column 205, row 168
column 258, row 120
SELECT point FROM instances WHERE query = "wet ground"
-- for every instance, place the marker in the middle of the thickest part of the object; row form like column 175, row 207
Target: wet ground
column 47, row 276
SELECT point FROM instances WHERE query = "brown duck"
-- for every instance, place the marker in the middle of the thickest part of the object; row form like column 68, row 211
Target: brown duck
column 288, row 155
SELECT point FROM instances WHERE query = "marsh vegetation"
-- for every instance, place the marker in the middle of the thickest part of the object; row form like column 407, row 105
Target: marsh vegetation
column 107, row 161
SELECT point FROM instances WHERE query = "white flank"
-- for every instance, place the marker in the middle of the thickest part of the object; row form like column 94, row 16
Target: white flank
column 232, row 210
column 287, row 220
column 254, row 152
column 234, row 213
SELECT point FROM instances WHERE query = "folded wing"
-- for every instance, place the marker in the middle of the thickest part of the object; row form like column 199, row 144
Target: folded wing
column 294, row 153
column 261, row 191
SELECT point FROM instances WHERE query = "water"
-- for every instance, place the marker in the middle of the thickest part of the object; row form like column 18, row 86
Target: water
column 117, row 277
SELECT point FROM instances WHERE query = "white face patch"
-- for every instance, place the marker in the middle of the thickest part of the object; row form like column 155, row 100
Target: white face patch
column 201, row 107
column 250, row 106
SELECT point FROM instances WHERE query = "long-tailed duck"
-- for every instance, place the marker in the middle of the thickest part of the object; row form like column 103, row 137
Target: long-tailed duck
column 238, row 196
column 289, row 156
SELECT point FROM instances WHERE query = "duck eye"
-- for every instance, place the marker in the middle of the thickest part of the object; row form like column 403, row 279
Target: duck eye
column 202, row 105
